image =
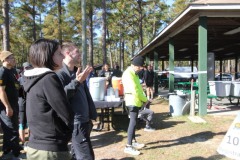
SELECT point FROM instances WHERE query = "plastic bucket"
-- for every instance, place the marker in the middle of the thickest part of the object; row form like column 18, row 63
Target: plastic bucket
column 97, row 86
column 223, row 88
column 212, row 87
column 176, row 104
column 117, row 84
column 235, row 89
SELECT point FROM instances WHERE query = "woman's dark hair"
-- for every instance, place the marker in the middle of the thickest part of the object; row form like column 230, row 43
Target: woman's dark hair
column 41, row 53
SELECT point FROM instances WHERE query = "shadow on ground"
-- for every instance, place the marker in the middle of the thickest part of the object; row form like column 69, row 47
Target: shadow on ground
column 214, row 157
column 194, row 138
column 106, row 138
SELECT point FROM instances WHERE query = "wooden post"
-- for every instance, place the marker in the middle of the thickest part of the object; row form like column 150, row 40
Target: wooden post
column 192, row 108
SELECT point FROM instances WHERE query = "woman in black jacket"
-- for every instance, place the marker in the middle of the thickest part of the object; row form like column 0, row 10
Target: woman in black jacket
column 48, row 113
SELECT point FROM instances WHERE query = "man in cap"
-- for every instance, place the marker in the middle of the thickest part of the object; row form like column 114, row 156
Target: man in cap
column 134, row 99
column 9, row 104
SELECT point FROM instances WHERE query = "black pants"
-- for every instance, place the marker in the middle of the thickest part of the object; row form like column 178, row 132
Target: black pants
column 10, row 132
column 81, row 145
column 133, row 112
column 22, row 112
column 147, row 115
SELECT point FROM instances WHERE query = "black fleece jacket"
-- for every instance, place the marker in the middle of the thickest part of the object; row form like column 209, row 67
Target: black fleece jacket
column 71, row 86
column 48, row 113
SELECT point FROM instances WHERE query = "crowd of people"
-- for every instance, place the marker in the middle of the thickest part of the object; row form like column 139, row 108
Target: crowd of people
column 51, row 100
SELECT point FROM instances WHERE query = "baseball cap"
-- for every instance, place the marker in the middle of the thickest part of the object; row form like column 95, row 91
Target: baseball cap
column 4, row 55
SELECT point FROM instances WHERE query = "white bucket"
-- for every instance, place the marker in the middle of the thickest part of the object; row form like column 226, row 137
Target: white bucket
column 212, row 87
column 235, row 89
column 223, row 88
column 97, row 86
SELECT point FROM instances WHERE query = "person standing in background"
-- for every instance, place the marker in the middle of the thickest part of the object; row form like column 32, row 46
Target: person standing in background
column 134, row 99
column 9, row 87
column 22, row 104
column 117, row 72
column 80, row 101
column 149, row 79
column 48, row 113
column 107, row 73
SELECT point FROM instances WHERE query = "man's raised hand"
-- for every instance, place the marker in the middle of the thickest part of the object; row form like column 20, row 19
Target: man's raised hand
column 83, row 76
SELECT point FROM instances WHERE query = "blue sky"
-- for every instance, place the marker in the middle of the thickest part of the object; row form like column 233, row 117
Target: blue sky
column 169, row 2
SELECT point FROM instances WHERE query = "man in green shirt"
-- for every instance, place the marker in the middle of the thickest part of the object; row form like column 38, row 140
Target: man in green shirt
column 134, row 99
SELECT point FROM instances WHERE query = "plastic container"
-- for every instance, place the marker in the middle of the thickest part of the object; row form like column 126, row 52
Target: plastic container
column 116, row 93
column 117, row 84
column 223, row 88
column 212, row 87
column 235, row 89
column 110, row 91
column 97, row 87
column 176, row 104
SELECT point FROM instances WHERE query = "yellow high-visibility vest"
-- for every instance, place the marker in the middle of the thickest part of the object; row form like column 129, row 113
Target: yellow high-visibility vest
column 133, row 92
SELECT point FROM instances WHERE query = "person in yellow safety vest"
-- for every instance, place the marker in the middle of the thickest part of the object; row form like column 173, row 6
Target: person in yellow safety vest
column 134, row 99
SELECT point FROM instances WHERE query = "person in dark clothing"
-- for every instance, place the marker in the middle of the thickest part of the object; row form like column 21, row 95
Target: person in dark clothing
column 22, row 104
column 141, row 74
column 48, row 113
column 149, row 78
column 106, row 72
column 9, row 104
column 117, row 72
column 80, row 101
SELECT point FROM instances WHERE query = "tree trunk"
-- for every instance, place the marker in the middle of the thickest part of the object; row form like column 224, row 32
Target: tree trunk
column 34, row 23
column 110, row 55
column 60, row 21
column 6, row 37
column 104, row 23
column 140, row 23
column 122, row 54
column 91, row 35
column 84, row 39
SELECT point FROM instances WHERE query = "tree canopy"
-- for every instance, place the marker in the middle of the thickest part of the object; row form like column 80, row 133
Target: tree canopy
column 129, row 25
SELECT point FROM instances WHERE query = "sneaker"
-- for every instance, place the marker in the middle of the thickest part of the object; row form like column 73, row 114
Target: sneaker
column 149, row 129
column 131, row 150
column 137, row 145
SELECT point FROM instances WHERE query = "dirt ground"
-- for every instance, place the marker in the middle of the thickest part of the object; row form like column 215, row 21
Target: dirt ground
column 175, row 138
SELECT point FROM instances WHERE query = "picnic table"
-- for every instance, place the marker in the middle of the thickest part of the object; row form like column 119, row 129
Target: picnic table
column 107, row 112
column 185, row 87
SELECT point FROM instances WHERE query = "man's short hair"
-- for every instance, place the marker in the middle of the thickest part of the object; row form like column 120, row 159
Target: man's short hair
column 69, row 46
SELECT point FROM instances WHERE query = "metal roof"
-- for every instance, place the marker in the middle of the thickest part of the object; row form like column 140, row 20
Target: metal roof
column 223, row 25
